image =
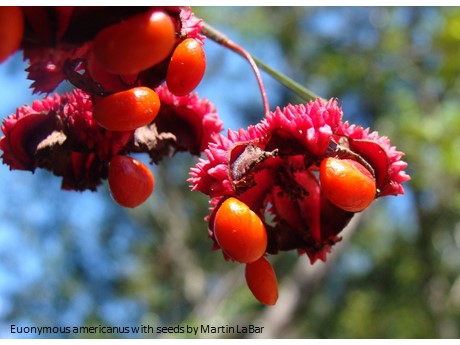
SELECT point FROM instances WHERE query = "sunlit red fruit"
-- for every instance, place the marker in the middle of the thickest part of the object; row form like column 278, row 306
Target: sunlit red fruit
column 127, row 110
column 131, row 182
column 239, row 231
column 135, row 44
column 261, row 279
column 347, row 184
column 11, row 30
column 186, row 68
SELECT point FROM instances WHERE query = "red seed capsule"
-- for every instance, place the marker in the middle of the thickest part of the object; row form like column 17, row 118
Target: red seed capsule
column 135, row 44
column 187, row 67
column 11, row 30
column 127, row 110
column 239, row 231
column 131, row 182
column 347, row 184
column 261, row 279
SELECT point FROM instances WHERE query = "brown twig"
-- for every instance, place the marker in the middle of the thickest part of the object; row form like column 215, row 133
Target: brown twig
column 223, row 40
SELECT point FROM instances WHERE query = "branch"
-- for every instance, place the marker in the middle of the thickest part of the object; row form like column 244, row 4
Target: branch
column 223, row 40
column 292, row 85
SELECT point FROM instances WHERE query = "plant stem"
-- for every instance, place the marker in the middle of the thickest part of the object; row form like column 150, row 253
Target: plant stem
column 223, row 40
column 292, row 85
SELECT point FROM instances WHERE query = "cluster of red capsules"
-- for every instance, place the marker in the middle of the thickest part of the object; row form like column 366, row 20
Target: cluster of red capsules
column 134, row 69
column 291, row 182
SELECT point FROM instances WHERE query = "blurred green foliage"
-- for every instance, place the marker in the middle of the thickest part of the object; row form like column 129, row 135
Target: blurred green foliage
column 394, row 69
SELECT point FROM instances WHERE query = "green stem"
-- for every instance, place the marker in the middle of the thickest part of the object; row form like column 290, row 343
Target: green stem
column 292, row 85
